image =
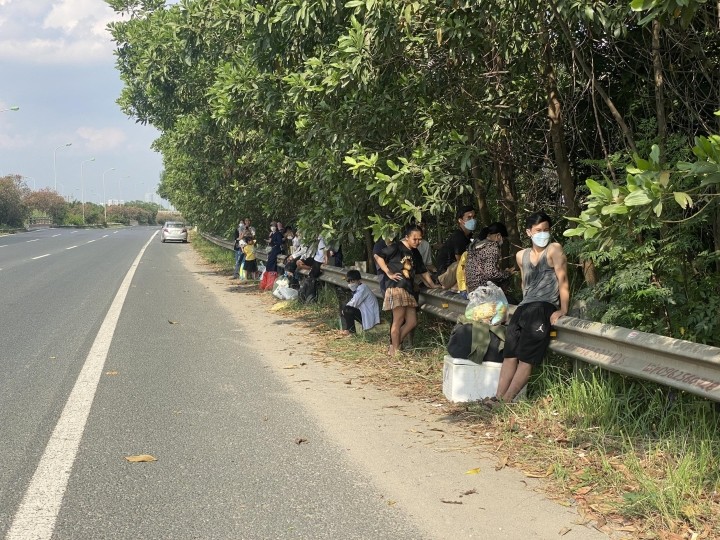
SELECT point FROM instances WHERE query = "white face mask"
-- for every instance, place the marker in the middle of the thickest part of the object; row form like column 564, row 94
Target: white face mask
column 541, row 239
column 353, row 286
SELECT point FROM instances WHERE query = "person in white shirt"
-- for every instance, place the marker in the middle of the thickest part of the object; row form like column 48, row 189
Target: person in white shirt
column 362, row 307
column 313, row 264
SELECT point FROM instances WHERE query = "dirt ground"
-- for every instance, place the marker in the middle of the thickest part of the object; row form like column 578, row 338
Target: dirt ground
column 447, row 481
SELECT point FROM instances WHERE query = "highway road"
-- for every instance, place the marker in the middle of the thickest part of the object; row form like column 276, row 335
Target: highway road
column 108, row 349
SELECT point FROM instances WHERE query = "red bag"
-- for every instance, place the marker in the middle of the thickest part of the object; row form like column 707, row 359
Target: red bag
column 268, row 280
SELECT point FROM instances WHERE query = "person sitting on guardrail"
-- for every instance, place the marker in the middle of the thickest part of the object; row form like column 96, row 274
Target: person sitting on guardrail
column 313, row 263
column 298, row 253
column 484, row 257
column 546, row 297
column 362, row 307
column 457, row 243
column 401, row 262
column 277, row 236
column 381, row 244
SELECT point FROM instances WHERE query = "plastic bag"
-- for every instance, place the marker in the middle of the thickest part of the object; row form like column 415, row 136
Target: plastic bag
column 268, row 280
column 285, row 293
column 282, row 281
column 488, row 304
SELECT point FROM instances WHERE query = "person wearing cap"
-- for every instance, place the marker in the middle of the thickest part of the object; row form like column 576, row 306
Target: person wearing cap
column 362, row 307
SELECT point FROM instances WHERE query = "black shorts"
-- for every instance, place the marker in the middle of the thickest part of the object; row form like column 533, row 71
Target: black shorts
column 528, row 332
column 250, row 266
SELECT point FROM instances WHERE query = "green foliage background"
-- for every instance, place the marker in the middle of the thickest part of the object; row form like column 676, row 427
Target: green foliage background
column 350, row 117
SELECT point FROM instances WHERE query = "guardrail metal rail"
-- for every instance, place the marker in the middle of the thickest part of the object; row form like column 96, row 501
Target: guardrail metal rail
column 676, row 363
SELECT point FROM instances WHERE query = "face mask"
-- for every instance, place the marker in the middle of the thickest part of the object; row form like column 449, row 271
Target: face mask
column 470, row 224
column 353, row 286
column 541, row 239
column 500, row 242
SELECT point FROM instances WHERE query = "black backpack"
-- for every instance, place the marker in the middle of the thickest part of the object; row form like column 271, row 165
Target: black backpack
column 308, row 290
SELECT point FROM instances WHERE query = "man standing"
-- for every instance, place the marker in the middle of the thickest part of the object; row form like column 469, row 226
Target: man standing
column 450, row 253
column 546, row 296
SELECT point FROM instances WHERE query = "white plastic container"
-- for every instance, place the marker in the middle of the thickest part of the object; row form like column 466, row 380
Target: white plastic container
column 464, row 380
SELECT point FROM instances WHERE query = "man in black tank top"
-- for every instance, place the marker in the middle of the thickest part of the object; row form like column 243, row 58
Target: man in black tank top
column 546, row 296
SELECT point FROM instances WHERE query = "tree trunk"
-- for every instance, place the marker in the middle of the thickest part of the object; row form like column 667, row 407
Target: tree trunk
column 372, row 269
column 562, row 165
column 557, row 135
column 659, row 90
column 590, row 75
column 480, row 190
column 508, row 196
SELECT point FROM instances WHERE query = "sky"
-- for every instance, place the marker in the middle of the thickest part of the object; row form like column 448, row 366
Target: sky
column 57, row 65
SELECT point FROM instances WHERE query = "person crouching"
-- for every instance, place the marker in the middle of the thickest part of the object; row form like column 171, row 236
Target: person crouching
column 362, row 307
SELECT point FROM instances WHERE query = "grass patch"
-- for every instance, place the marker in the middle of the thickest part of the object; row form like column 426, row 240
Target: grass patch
column 636, row 458
column 221, row 258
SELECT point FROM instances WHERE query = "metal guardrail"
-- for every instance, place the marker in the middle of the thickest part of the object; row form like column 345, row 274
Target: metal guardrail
column 676, row 363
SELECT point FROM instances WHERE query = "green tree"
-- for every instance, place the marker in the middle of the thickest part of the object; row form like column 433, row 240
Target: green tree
column 13, row 210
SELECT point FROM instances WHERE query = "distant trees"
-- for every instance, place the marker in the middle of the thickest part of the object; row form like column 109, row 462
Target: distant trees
column 49, row 202
column 18, row 203
column 13, row 210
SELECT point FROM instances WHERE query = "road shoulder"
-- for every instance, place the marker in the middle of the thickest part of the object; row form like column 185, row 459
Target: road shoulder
column 425, row 466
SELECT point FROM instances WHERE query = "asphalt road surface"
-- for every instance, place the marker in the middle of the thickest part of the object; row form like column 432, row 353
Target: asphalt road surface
column 111, row 348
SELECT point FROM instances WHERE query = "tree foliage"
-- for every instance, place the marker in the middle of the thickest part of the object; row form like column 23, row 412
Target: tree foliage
column 13, row 210
column 350, row 117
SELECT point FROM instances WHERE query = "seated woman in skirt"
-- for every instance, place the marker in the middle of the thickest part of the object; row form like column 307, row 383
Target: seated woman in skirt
column 401, row 262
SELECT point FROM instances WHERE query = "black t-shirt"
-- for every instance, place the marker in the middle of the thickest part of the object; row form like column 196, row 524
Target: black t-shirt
column 403, row 260
column 455, row 245
column 377, row 248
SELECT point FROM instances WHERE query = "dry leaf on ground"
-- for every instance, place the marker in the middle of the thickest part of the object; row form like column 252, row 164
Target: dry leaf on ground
column 473, row 471
column 142, row 458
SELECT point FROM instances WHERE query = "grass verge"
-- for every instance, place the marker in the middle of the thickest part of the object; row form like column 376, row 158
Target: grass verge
column 637, row 459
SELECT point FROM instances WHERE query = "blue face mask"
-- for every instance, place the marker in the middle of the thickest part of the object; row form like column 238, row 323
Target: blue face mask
column 541, row 239
column 470, row 224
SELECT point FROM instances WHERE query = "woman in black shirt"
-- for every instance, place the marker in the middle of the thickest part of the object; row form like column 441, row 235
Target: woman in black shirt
column 400, row 262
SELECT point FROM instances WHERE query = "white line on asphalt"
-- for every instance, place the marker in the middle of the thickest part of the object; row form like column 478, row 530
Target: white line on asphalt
column 90, row 241
column 54, row 235
column 28, row 241
column 71, row 247
column 35, row 519
column 41, row 256
column 105, row 236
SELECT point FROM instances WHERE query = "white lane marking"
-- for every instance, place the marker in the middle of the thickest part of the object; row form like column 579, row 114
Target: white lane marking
column 105, row 236
column 71, row 247
column 54, row 235
column 28, row 241
column 5, row 245
column 41, row 256
column 38, row 511
column 90, row 241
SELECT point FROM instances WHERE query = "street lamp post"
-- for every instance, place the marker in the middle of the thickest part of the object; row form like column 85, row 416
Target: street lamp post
column 82, row 187
column 104, row 198
column 54, row 161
